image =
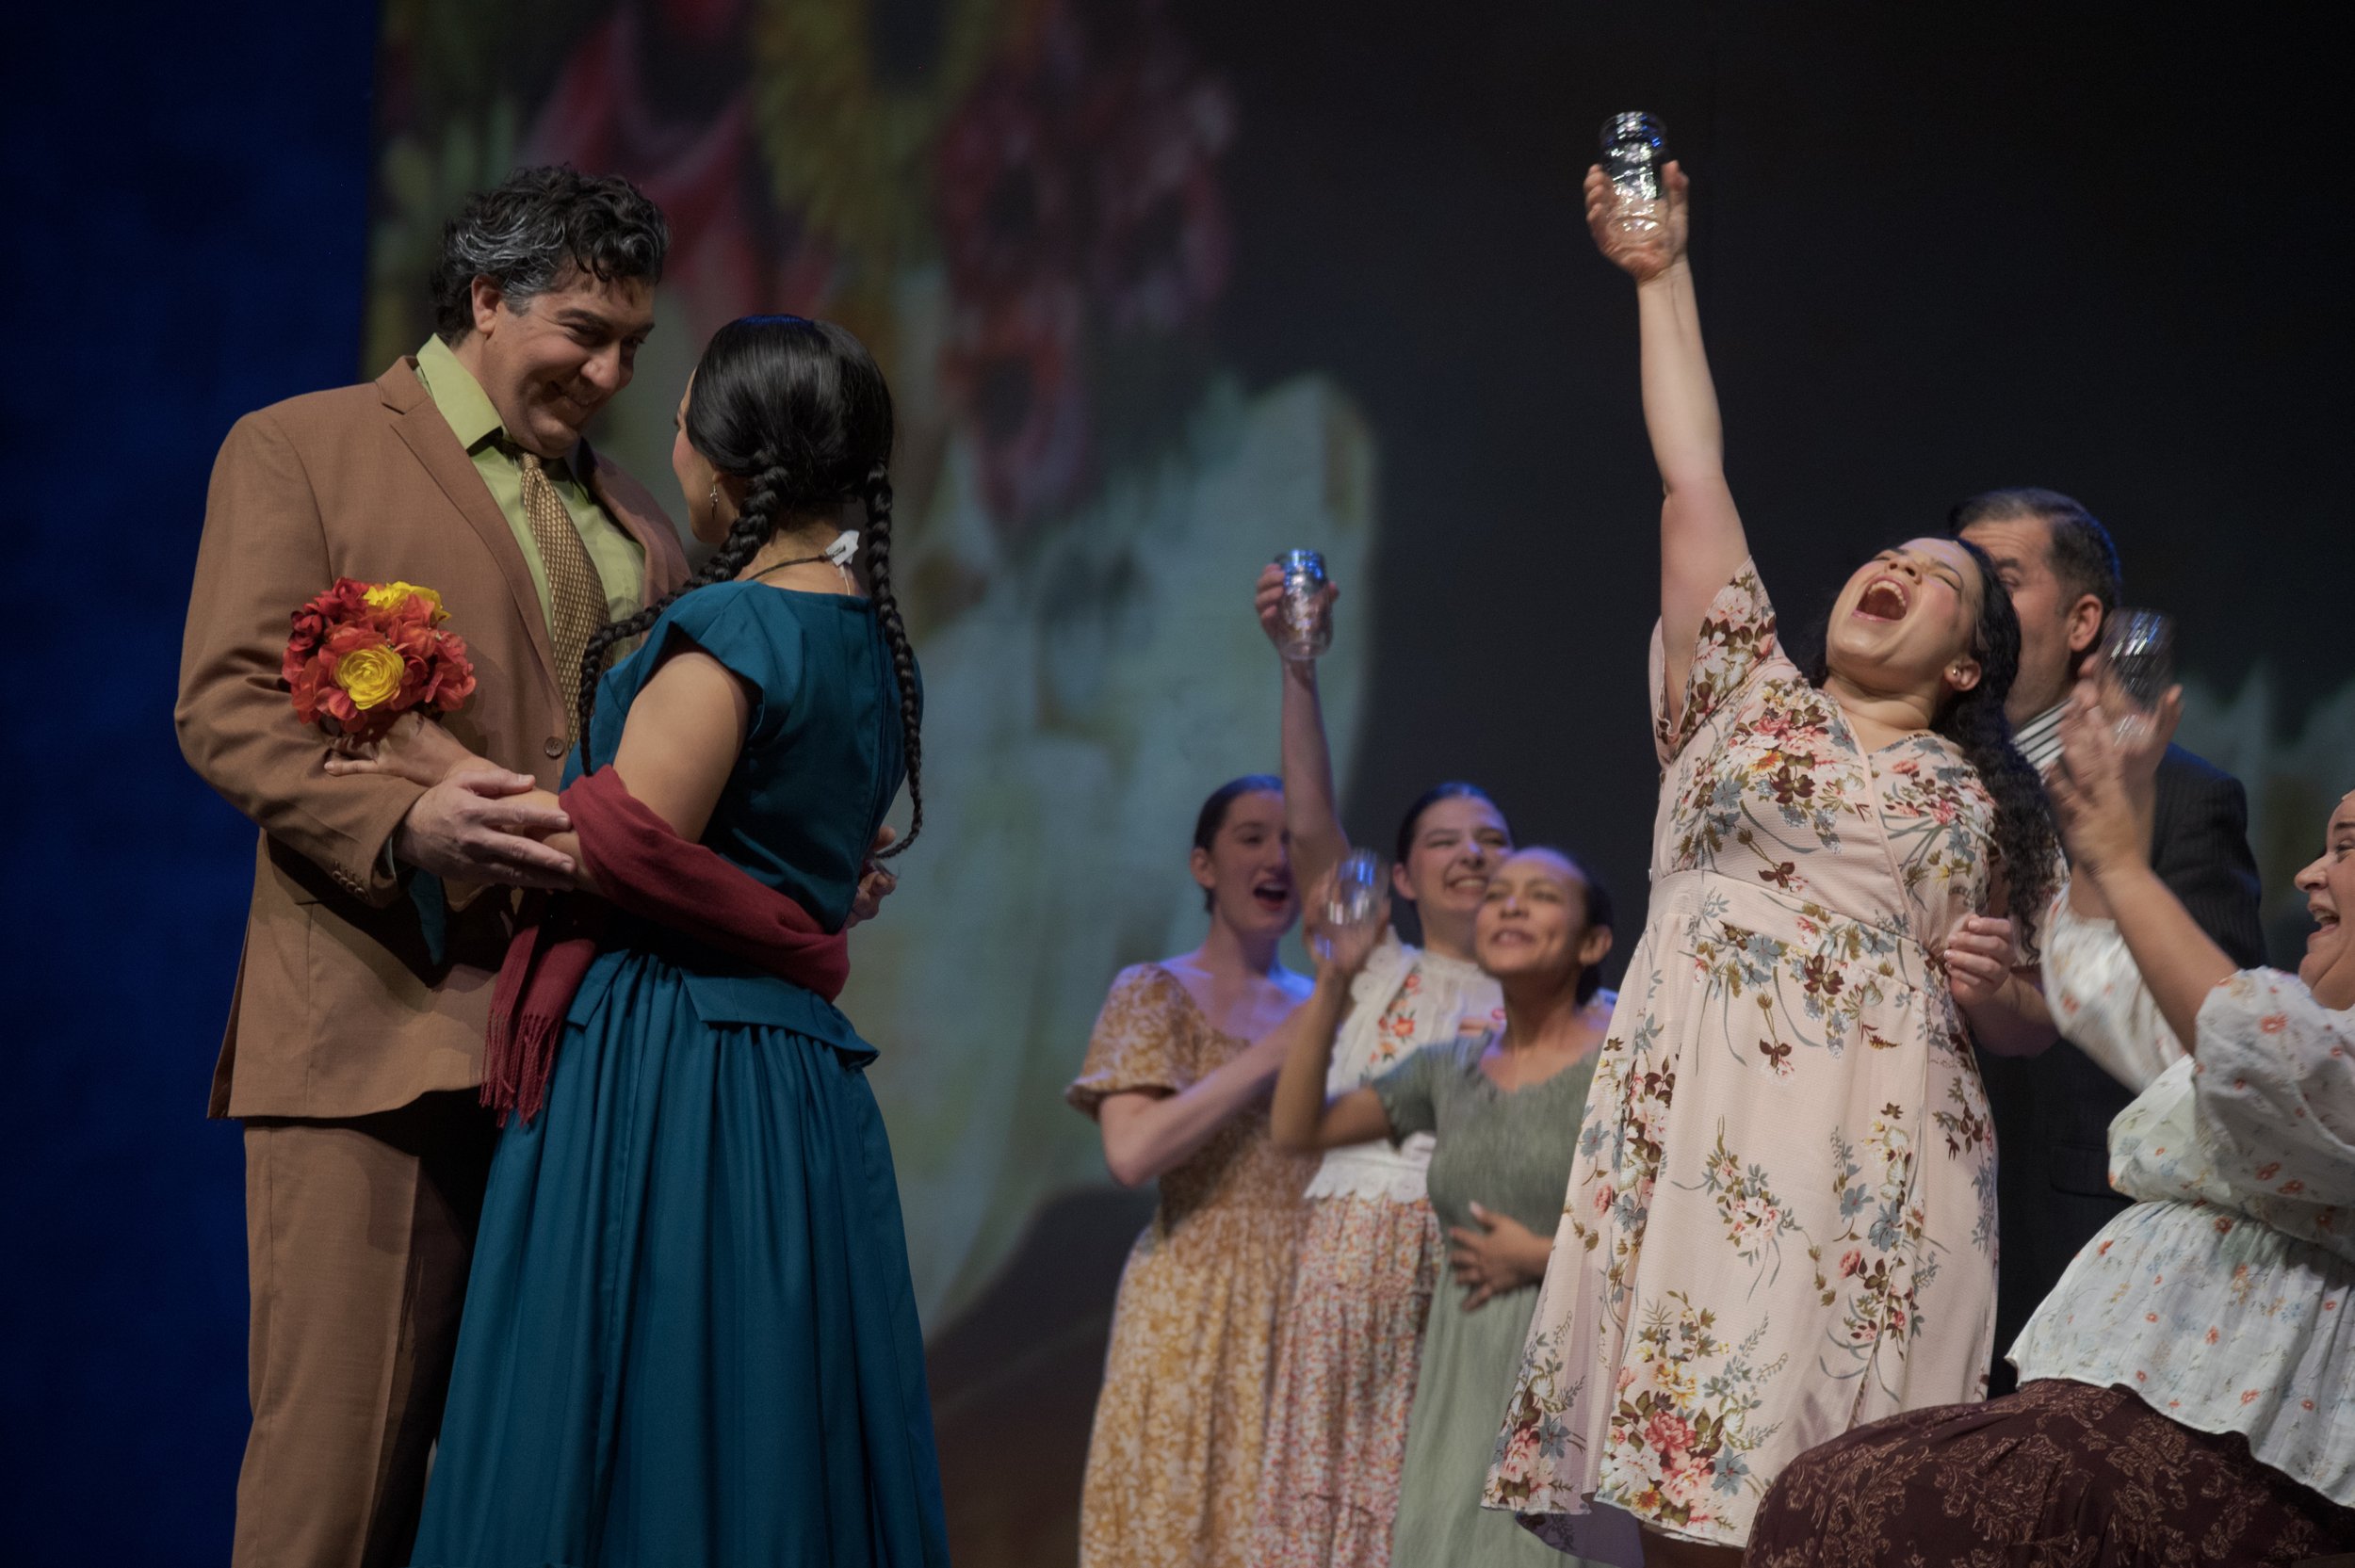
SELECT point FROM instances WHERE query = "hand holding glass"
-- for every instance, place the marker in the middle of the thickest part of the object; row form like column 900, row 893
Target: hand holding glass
column 2137, row 667
column 1308, row 614
column 1352, row 899
column 1634, row 150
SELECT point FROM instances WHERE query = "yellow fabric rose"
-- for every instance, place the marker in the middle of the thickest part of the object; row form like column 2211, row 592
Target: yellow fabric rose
column 371, row 675
column 391, row 596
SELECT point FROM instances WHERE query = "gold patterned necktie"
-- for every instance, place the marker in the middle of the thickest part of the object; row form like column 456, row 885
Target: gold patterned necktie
column 576, row 592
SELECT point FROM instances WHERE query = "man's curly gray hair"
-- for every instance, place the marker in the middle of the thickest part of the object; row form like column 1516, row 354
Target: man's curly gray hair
column 534, row 231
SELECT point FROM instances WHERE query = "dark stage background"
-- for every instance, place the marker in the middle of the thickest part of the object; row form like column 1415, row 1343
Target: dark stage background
column 2098, row 247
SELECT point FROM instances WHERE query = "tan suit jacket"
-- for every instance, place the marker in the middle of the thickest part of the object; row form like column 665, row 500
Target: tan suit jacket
column 340, row 1010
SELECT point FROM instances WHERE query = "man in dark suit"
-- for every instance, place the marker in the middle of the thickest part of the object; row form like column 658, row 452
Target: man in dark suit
column 2053, row 1111
column 355, row 1035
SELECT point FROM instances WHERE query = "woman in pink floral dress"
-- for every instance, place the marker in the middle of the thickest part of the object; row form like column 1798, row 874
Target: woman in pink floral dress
column 1782, row 1220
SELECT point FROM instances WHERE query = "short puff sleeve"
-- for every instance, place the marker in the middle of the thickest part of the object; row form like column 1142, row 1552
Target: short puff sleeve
column 764, row 652
column 2275, row 1093
column 1409, row 1091
column 1144, row 1040
column 1736, row 644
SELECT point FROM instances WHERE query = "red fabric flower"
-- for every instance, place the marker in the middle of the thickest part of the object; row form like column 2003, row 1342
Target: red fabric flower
column 361, row 665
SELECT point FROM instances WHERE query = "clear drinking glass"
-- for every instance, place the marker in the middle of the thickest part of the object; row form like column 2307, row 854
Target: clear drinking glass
column 1357, row 890
column 2137, row 667
column 1633, row 151
column 1356, row 898
column 1307, row 620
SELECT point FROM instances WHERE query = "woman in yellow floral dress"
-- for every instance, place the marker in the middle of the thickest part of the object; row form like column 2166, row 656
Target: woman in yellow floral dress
column 1176, row 1076
column 1781, row 1222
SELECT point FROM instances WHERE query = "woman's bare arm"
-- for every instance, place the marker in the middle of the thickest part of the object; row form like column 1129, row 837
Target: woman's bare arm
column 1701, row 540
column 1311, row 815
column 2100, row 796
column 1300, row 1116
column 1147, row 1132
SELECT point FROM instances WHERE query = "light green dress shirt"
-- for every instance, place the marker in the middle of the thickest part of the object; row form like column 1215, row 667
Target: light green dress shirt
column 621, row 564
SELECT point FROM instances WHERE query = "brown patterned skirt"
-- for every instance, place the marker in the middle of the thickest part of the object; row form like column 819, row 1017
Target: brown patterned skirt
column 2060, row 1474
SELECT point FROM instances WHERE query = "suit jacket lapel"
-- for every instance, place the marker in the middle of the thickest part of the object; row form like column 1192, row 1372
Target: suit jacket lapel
column 636, row 523
column 428, row 437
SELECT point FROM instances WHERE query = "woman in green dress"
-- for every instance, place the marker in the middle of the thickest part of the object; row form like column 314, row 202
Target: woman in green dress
column 1503, row 1106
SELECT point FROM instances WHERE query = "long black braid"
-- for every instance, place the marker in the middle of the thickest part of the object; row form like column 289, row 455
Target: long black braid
column 2027, row 846
column 878, row 542
column 799, row 410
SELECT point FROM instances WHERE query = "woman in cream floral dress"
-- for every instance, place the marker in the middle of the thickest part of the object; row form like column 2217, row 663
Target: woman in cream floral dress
column 1177, row 1077
column 1781, row 1221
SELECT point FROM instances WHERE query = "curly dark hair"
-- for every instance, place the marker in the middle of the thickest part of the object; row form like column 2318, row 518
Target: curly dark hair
column 2027, row 850
column 800, row 411
column 537, row 227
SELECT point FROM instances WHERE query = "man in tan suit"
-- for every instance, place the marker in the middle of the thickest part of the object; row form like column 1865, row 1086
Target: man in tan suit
column 355, row 1037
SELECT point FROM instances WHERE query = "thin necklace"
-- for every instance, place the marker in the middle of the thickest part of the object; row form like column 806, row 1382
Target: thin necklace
column 805, row 561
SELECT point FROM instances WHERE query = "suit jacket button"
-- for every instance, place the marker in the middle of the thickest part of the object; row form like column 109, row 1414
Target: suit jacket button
column 555, row 748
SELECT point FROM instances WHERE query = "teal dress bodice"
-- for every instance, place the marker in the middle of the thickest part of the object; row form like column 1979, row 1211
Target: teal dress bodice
column 823, row 756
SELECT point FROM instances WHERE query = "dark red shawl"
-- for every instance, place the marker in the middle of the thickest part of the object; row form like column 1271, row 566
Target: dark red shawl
column 642, row 867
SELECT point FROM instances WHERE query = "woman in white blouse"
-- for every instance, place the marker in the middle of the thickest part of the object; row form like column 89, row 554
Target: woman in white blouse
column 2187, row 1391
column 1353, row 1327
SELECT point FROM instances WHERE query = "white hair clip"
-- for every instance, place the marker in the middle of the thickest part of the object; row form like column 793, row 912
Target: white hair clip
column 841, row 551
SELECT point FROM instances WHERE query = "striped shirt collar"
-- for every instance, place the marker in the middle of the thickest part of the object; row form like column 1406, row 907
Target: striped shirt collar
column 2039, row 739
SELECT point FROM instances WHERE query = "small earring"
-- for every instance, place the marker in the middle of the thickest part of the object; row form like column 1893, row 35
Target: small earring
column 715, row 495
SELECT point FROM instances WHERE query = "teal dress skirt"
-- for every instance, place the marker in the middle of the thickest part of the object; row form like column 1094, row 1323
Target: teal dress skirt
column 1510, row 1153
column 690, row 1336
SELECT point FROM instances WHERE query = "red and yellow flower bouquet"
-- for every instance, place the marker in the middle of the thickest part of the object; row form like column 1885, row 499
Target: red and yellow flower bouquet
column 364, row 654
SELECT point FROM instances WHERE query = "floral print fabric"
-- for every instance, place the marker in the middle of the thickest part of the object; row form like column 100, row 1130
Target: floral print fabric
column 2222, row 1296
column 2098, row 1000
column 2060, row 1474
column 1173, row 1465
column 1353, row 1335
column 1781, row 1221
column 1344, row 1379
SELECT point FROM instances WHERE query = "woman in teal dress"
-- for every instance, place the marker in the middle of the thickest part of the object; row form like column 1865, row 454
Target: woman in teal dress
column 690, row 1337
column 1503, row 1107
